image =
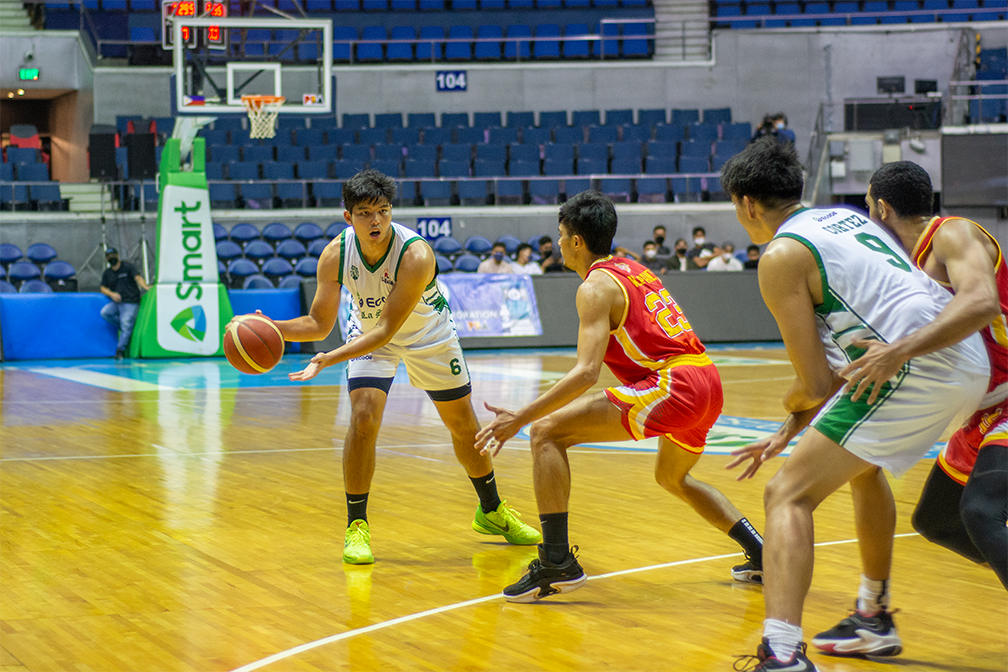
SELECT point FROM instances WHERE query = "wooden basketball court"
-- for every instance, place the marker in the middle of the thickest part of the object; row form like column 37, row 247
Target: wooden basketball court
column 169, row 515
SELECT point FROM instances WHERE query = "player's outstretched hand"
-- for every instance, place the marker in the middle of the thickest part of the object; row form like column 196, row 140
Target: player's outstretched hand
column 235, row 317
column 880, row 362
column 317, row 363
column 491, row 438
column 759, row 452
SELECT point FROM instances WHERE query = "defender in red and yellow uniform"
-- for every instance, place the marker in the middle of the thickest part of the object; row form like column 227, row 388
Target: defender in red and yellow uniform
column 670, row 386
column 670, row 389
column 989, row 425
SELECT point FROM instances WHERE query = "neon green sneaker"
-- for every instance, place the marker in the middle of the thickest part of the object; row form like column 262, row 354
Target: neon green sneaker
column 357, row 544
column 504, row 521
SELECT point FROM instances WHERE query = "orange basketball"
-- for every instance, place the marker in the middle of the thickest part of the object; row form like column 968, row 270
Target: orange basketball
column 253, row 343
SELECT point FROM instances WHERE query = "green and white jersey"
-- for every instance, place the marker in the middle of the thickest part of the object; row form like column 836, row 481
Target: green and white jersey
column 870, row 288
column 429, row 324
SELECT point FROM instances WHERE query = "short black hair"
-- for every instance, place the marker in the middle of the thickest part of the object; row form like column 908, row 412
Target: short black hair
column 659, row 226
column 699, row 229
column 906, row 187
column 592, row 216
column 545, row 239
column 767, row 171
column 521, row 248
column 368, row 186
column 650, row 242
column 681, row 240
column 499, row 243
column 752, row 247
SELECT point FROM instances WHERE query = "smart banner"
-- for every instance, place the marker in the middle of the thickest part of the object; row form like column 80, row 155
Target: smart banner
column 185, row 311
column 492, row 305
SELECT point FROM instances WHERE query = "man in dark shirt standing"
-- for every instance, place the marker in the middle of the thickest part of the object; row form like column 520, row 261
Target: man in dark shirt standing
column 122, row 283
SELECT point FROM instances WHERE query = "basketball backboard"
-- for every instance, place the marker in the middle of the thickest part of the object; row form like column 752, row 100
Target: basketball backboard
column 277, row 57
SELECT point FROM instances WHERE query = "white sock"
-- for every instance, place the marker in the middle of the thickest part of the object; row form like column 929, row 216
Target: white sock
column 873, row 596
column 783, row 637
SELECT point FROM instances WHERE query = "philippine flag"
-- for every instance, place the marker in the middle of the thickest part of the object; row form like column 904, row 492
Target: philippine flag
column 193, row 100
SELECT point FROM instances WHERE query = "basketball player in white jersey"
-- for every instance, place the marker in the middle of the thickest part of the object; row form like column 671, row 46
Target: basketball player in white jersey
column 831, row 277
column 398, row 314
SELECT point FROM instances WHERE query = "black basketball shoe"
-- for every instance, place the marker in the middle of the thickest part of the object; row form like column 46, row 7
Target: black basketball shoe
column 765, row 660
column 748, row 572
column 546, row 578
column 859, row 635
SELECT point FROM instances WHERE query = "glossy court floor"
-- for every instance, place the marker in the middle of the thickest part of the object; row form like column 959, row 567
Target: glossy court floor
column 175, row 515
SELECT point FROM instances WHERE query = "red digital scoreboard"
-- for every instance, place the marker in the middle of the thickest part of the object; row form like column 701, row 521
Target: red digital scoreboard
column 214, row 37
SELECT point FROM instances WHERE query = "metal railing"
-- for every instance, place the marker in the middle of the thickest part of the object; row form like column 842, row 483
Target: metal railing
column 961, row 102
column 933, row 14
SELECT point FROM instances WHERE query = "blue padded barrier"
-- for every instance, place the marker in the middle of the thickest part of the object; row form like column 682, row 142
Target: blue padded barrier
column 55, row 326
column 278, row 304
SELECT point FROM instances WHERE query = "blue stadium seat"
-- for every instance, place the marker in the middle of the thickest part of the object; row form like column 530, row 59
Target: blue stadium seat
column 257, row 153
column 243, row 233
column 577, row 48
column 58, row 270
column 486, row 119
column 447, row 246
column 610, row 44
column 553, row 119
column 467, row 263
column 635, row 133
column 477, row 245
column 664, row 165
column 568, row 134
column 703, row 132
column 277, row 268
column 695, row 148
column 605, row 134
column 336, row 228
column 488, row 51
column 257, row 250
column 435, row 193
column 306, row 232
column 228, row 250
column 503, row 135
column 290, row 154
column 21, row 271
column 652, row 117
column 685, row 117
column 219, row 232
column 527, row 153
column 390, row 168
column 652, row 189
column 444, row 265
column 518, row 49
column 40, row 253
column 373, row 136
column 313, row 170
column 256, row 281
column 35, row 287
column 618, row 117
column 536, row 136
column 290, row 282
column 432, row 49
column 694, row 164
column 559, row 152
column 9, row 253
column 472, row 135
column 370, row 53
column 636, row 41
column 670, row 133
column 593, row 152
column 315, row 248
column 221, row 195
column 32, row 172
column 627, row 150
column 520, row 119
column 388, row 120
column 275, row 232
column 547, row 49
column 455, row 152
column 392, row 152
column 455, row 120
column 559, row 167
column 717, row 115
column 327, row 194
column 591, row 167
column 491, row 152
column 463, row 49
column 585, row 118
column 46, row 196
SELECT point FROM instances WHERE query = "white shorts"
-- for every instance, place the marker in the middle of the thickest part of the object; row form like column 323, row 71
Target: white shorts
column 440, row 369
column 908, row 417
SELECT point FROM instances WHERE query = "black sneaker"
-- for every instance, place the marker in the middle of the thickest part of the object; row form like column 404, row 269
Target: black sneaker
column 119, row 354
column 546, row 578
column 766, row 660
column 748, row 572
column 859, row 635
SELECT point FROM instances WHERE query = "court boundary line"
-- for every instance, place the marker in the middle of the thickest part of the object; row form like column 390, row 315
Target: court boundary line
column 308, row 646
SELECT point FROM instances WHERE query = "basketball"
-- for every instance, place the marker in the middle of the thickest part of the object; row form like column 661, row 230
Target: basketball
column 253, row 343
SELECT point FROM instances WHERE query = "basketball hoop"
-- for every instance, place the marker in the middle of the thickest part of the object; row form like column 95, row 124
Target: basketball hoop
column 262, row 114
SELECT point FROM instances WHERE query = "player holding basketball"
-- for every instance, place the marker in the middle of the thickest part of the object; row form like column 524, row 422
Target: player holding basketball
column 669, row 389
column 833, row 279
column 398, row 314
column 964, row 505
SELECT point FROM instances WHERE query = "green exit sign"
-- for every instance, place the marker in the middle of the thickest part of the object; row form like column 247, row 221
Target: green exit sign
column 28, row 74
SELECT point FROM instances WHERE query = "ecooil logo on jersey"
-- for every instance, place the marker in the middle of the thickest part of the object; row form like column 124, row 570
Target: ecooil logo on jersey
column 188, row 312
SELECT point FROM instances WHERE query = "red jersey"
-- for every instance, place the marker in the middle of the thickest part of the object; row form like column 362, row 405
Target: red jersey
column 653, row 333
column 958, row 458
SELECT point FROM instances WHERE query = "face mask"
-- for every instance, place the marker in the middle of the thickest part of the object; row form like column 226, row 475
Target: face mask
column 680, row 251
column 779, row 125
column 699, row 240
column 659, row 239
column 650, row 254
column 547, row 253
column 726, row 256
column 112, row 261
column 498, row 257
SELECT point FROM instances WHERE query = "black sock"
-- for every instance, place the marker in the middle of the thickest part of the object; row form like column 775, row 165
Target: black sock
column 749, row 539
column 486, row 490
column 554, row 530
column 356, row 506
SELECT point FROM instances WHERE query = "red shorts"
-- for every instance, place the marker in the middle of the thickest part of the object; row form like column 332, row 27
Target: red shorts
column 680, row 402
column 988, row 426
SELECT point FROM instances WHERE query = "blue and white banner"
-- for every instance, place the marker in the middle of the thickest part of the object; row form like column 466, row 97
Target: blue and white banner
column 492, row 305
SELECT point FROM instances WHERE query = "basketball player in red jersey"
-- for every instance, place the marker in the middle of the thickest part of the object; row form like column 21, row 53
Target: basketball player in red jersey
column 669, row 388
column 964, row 505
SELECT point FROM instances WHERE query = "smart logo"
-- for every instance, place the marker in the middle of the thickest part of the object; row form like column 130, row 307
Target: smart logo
column 190, row 323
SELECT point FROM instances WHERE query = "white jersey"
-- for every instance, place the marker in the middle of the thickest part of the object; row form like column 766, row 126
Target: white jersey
column 871, row 289
column 429, row 324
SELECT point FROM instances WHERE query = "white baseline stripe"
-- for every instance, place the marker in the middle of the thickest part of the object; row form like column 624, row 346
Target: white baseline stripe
column 276, row 657
column 173, row 453
column 96, row 379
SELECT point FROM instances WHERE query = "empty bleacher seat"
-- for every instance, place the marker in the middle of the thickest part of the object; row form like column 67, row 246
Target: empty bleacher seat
column 553, row 119
column 577, row 48
column 467, row 263
column 461, row 49
column 40, row 253
column 315, row 249
column 488, row 45
column 307, row 232
column 60, row 276
column 306, row 267
column 520, row 49
column 433, row 46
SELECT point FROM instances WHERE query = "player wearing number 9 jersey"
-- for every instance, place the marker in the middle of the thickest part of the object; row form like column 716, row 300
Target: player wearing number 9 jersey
column 670, row 389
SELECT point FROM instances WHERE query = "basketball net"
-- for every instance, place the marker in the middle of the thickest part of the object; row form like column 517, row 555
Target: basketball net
column 262, row 114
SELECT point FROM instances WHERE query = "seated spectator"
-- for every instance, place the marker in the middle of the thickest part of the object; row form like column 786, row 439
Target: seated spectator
column 621, row 251
column 680, row 261
column 775, row 125
column 651, row 258
column 497, row 262
column 523, row 264
column 122, row 283
column 550, row 260
column 753, row 252
column 658, row 235
column 701, row 251
column 724, row 258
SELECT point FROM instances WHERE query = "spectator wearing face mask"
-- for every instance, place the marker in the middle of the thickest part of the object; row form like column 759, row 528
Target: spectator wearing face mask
column 122, row 283
column 724, row 258
column 650, row 258
column 523, row 264
column 679, row 261
column 550, row 259
column 753, row 253
column 658, row 235
column 702, row 251
column 497, row 262
column 775, row 126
